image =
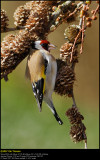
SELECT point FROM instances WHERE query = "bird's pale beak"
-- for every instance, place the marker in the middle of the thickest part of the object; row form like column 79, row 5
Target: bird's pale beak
column 51, row 46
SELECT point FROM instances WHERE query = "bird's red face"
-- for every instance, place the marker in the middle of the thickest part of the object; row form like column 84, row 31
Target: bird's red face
column 44, row 42
column 46, row 45
column 43, row 45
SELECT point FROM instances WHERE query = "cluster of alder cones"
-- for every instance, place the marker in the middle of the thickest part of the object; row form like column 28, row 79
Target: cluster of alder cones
column 35, row 16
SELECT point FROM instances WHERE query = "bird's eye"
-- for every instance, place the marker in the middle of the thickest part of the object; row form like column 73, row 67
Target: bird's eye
column 45, row 46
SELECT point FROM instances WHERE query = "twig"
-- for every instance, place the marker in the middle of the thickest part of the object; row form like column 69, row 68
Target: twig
column 73, row 98
column 58, row 11
column 86, row 144
column 63, row 7
column 79, row 6
column 81, row 49
column 97, row 9
column 74, row 44
column 13, row 29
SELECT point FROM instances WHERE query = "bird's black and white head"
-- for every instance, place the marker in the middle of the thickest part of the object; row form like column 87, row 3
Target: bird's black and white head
column 43, row 45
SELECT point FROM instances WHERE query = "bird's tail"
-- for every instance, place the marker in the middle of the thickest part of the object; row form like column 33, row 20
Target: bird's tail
column 51, row 106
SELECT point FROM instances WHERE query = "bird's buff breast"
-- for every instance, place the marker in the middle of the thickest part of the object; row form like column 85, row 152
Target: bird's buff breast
column 51, row 77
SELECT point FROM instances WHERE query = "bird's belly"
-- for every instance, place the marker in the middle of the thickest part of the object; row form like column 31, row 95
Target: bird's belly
column 51, row 77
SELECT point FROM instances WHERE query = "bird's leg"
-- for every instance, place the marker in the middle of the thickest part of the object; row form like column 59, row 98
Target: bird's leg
column 51, row 106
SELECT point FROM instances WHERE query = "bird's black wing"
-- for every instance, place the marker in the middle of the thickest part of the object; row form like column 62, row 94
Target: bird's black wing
column 38, row 92
column 39, row 87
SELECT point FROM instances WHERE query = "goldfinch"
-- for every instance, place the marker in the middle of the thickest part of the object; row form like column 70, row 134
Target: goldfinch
column 41, row 69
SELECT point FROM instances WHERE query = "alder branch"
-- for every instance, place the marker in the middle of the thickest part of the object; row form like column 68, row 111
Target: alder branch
column 34, row 30
column 13, row 29
column 59, row 10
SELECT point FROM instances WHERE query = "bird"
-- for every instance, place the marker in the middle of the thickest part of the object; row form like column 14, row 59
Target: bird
column 41, row 69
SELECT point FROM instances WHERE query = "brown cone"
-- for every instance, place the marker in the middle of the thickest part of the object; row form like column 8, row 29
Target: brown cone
column 74, row 115
column 77, row 131
column 71, row 32
column 65, row 54
column 65, row 79
column 4, row 21
column 20, row 16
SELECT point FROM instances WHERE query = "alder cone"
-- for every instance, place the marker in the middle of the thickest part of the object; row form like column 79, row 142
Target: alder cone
column 71, row 32
column 14, row 48
column 65, row 79
column 38, row 21
column 22, row 13
column 4, row 21
column 20, row 16
column 65, row 55
column 33, row 4
column 74, row 115
column 77, row 131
